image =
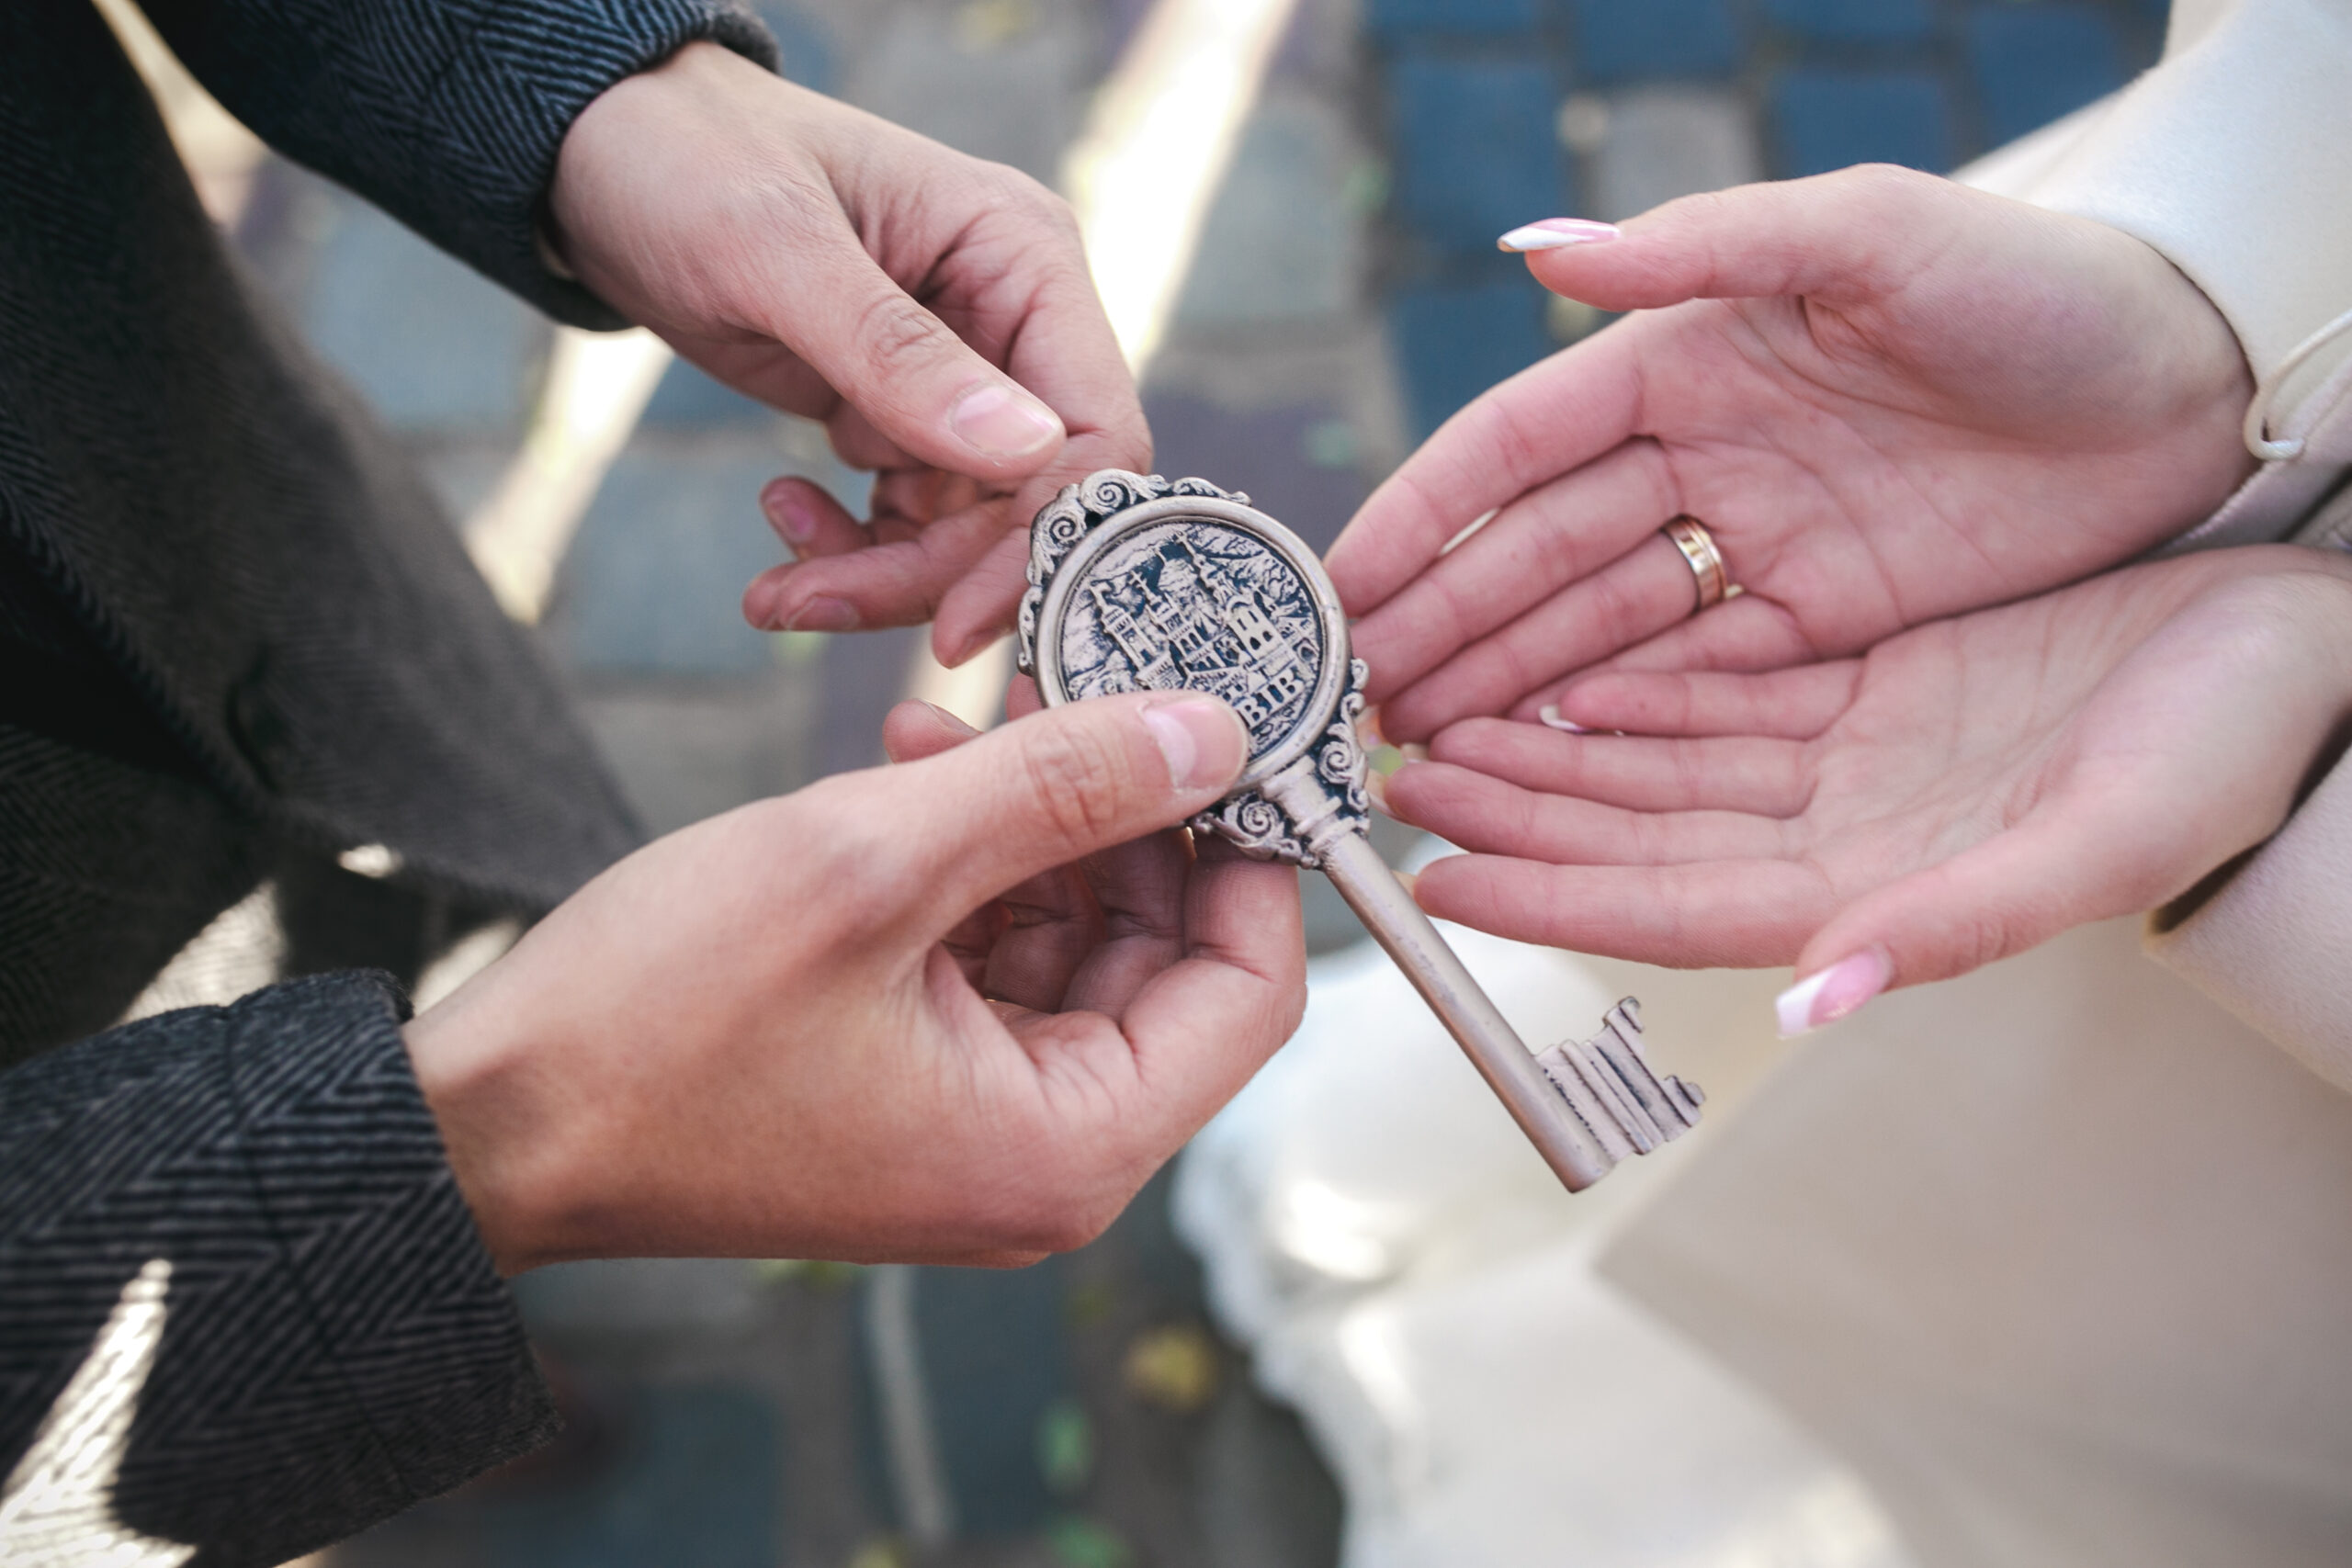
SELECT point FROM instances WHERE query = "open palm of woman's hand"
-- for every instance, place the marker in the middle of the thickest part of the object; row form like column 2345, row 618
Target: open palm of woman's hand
column 1890, row 398
column 1964, row 790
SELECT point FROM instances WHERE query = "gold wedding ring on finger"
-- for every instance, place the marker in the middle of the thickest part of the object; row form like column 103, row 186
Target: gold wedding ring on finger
column 1698, row 548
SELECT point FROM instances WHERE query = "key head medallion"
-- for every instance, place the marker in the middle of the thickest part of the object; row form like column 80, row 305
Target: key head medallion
column 1141, row 583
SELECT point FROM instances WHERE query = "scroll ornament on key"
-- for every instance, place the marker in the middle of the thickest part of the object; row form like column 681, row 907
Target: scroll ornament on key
column 1142, row 583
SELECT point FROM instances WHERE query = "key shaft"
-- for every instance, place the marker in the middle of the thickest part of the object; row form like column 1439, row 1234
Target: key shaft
column 1406, row 934
column 1397, row 924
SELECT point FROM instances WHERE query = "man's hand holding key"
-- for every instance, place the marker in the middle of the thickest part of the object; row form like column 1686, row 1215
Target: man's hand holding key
column 952, row 1011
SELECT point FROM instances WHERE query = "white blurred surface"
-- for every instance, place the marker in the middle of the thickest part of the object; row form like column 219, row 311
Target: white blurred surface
column 1411, row 1277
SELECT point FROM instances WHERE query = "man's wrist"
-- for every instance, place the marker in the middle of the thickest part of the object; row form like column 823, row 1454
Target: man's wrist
column 490, row 1131
column 567, row 205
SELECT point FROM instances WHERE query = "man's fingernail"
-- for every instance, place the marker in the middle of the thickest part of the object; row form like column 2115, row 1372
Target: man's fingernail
column 1831, row 994
column 1550, row 714
column 971, row 644
column 759, row 602
column 998, row 422
column 793, row 517
column 1200, row 738
column 952, row 723
column 1550, row 233
column 823, row 615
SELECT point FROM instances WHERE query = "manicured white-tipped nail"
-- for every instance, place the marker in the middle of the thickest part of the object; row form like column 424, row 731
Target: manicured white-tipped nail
column 1376, row 784
column 1368, row 729
column 1833, row 993
column 1550, row 714
column 1550, row 233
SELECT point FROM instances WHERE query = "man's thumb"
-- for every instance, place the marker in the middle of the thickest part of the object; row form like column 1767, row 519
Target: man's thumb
column 1059, row 786
column 908, row 372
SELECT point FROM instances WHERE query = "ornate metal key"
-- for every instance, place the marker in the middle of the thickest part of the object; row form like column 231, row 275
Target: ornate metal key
column 1140, row 583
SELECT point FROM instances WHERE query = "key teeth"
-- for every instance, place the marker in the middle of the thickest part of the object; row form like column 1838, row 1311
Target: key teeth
column 1608, row 1082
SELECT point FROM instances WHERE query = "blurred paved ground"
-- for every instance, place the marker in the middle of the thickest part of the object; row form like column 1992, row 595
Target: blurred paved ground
column 1498, row 111
column 1347, row 298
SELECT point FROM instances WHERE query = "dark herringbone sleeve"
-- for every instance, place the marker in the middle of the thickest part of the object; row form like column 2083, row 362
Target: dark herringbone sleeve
column 336, row 1345
column 445, row 113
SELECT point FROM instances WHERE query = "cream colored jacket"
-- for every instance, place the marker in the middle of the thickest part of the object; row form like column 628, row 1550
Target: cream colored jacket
column 2234, row 158
column 2058, row 1256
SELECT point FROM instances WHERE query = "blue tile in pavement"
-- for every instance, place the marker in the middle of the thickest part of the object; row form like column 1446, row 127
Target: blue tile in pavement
column 1824, row 119
column 995, row 1363
column 653, row 583
column 695, row 1486
column 1474, row 149
column 1279, row 242
column 1398, row 19
column 1452, row 344
column 1855, row 21
column 2033, row 63
column 1617, row 41
column 804, row 48
column 433, row 344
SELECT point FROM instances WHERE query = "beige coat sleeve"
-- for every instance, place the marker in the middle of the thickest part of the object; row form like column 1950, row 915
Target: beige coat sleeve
column 2274, row 944
column 2234, row 158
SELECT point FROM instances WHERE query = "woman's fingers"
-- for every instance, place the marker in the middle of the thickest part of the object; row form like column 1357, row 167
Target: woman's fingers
column 2190, row 751
column 2069, row 862
column 1845, row 237
column 1732, row 914
column 1536, row 546
column 1489, row 816
column 1629, row 600
column 1545, row 422
column 1787, row 705
column 1747, row 773
column 1749, row 632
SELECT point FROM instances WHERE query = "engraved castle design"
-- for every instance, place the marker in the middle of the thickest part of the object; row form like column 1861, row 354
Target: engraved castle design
column 1180, row 618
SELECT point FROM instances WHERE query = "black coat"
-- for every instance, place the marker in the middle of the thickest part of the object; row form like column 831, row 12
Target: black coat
column 233, row 628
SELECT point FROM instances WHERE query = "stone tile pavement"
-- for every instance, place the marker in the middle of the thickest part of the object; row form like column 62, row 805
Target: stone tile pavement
column 1656, row 99
column 1346, row 298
